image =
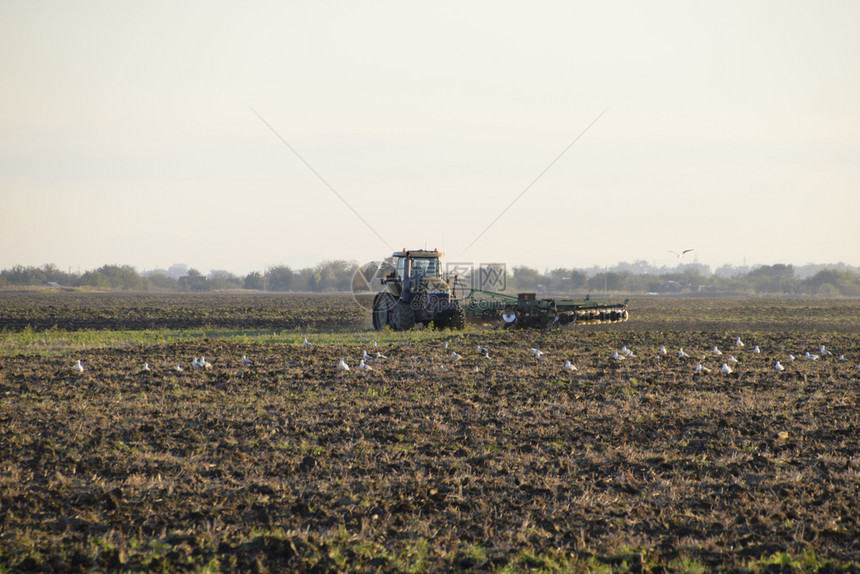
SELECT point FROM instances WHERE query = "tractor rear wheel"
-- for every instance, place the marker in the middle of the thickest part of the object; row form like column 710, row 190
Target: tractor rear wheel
column 403, row 317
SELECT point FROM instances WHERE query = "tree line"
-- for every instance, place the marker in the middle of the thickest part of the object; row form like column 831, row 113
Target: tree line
column 337, row 276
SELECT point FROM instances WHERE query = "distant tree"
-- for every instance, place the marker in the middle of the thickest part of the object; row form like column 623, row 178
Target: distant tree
column 305, row 280
column 279, row 278
column 21, row 275
column 113, row 277
column 777, row 278
column 335, row 275
column 220, row 279
column 526, row 279
column 254, row 281
column 567, row 280
column 160, row 281
column 608, row 281
column 840, row 282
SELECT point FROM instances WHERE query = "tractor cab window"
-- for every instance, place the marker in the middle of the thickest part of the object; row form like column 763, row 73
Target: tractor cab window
column 425, row 266
column 401, row 267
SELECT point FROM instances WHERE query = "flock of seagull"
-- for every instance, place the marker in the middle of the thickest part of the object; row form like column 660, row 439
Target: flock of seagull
column 726, row 368
column 625, row 353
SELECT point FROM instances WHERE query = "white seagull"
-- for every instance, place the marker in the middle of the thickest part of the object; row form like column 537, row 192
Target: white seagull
column 380, row 355
column 364, row 366
column 824, row 352
column 79, row 367
column 245, row 360
column 445, row 345
column 732, row 359
column 195, row 363
column 537, row 353
column 681, row 254
column 365, row 356
column 809, row 356
column 342, row 366
column 306, row 342
column 146, row 367
column 568, row 366
column 682, row 354
column 178, row 368
column 203, row 364
column 725, row 369
column 778, row 366
column 756, row 350
column 663, row 350
column 455, row 355
column 617, row 357
column 790, row 357
column 716, row 350
column 702, row 369
column 738, row 342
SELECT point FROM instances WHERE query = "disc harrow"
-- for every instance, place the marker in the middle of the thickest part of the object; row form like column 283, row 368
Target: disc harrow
column 527, row 311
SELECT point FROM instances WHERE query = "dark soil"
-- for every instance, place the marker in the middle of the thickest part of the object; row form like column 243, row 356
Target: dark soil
column 424, row 464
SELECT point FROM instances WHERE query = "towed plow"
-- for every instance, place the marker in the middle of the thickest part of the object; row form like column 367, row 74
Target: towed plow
column 526, row 310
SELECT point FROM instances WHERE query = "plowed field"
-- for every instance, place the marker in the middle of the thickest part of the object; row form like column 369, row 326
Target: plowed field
column 431, row 462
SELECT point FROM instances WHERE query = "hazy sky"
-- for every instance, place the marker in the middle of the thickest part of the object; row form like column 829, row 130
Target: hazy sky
column 128, row 132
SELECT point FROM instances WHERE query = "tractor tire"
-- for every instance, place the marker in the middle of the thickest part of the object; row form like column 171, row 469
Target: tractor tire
column 383, row 305
column 403, row 317
column 457, row 320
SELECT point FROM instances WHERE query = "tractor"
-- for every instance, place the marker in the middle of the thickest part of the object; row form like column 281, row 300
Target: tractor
column 415, row 292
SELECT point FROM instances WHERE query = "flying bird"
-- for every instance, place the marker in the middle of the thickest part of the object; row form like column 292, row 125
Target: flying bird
column 681, row 254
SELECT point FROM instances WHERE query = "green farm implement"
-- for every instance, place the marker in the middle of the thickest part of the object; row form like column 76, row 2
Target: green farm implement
column 526, row 310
